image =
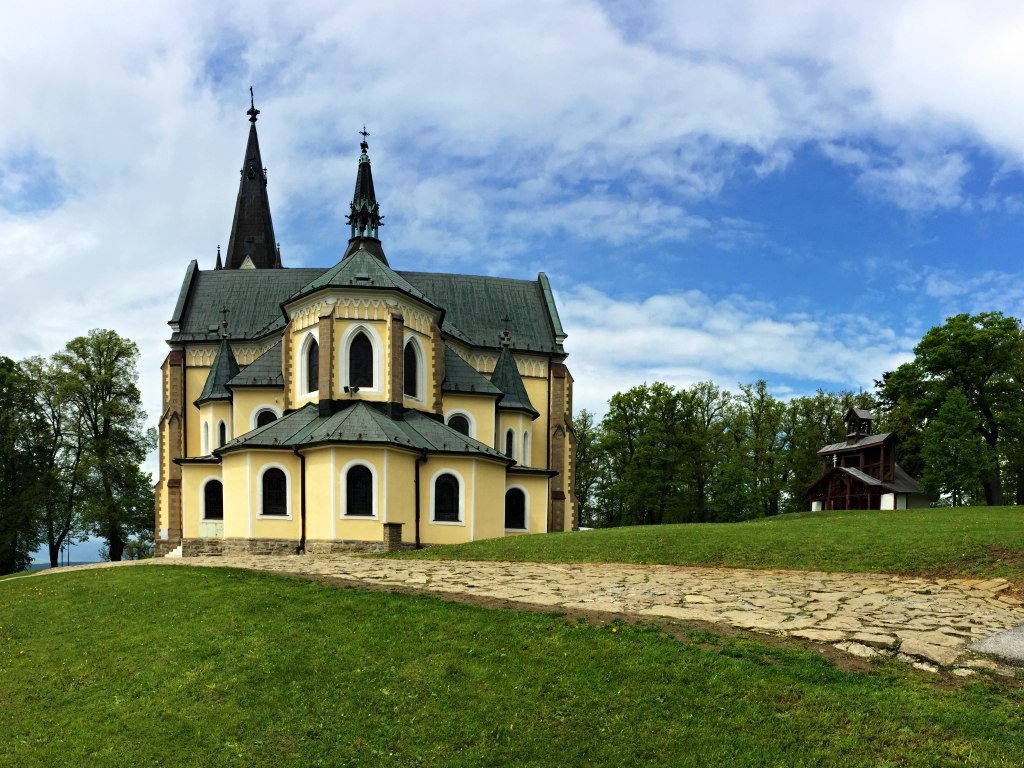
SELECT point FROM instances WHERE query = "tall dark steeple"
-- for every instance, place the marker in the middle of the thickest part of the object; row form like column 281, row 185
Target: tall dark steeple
column 252, row 231
column 364, row 214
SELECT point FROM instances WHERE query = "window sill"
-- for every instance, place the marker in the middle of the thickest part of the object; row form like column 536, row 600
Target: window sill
column 273, row 517
column 447, row 522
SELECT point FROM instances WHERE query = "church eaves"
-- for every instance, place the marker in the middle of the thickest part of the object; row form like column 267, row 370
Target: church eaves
column 252, row 242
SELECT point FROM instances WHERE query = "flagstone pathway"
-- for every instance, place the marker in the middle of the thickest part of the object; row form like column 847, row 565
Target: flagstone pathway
column 928, row 623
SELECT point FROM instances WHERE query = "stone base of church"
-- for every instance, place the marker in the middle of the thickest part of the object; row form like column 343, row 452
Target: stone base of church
column 162, row 546
column 213, row 547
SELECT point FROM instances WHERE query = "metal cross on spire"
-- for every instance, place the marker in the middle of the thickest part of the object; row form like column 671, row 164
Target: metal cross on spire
column 224, row 313
column 252, row 107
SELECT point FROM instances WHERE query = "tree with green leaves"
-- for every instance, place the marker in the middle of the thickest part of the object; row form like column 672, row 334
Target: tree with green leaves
column 587, row 472
column 981, row 356
column 955, row 458
column 99, row 372
column 19, row 469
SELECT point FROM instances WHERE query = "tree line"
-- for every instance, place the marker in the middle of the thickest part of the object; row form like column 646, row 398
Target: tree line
column 71, row 444
column 705, row 454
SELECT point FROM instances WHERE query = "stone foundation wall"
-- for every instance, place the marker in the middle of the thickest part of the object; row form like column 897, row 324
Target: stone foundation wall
column 213, row 547
column 162, row 546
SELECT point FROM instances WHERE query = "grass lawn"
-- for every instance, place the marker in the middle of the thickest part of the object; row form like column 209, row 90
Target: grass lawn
column 173, row 666
column 969, row 541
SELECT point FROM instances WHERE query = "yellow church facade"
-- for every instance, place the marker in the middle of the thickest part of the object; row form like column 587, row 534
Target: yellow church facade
column 357, row 407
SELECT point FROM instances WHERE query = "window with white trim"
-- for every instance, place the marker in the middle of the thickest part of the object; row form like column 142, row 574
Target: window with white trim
column 459, row 423
column 510, row 443
column 359, row 491
column 360, row 361
column 274, row 489
column 213, row 500
column 515, row 509
column 411, row 370
column 446, row 498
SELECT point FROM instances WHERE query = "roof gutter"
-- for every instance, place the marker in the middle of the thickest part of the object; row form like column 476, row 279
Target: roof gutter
column 421, row 459
column 301, row 549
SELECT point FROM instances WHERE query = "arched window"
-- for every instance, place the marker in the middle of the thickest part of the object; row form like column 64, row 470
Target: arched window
column 525, row 458
column 412, row 373
column 515, row 509
column 275, row 492
column 359, row 491
column 360, row 361
column 213, row 500
column 446, row 499
column 313, row 366
column 222, row 434
column 264, row 417
column 206, row 437
column 510, row 444
column 459, row 423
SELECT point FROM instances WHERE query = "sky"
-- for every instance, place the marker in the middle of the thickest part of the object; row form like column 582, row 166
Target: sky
column 720, row 191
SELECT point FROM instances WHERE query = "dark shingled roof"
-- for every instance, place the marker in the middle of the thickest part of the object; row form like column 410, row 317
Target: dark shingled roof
column 361, row 423
column 479, row 306
column 460, row 376
column 862, row 443
column 252, row 297
column 264, row 371
column 506, row 378
column 903, row 483
column 475, row 308
column 362, row 269
column 222, row 371
column 252, row 231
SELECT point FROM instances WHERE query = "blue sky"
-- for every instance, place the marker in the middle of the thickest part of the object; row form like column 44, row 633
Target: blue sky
column 719, row 191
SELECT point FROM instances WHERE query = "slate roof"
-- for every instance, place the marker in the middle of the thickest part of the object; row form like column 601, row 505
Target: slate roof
column 362, row 269
column 252, row 297
column 361, row 423
column 862, row 413
column 506, row 377
column 252, row 231
column 864, row 442
column 479, row 306
column 224, row 368
column 264, row 371
column 460, row 376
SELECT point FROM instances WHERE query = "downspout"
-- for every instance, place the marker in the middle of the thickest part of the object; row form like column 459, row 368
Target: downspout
column 421, row 459
column 301, row 549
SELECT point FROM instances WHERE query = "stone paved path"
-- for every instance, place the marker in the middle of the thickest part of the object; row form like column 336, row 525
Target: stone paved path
column 925, row 622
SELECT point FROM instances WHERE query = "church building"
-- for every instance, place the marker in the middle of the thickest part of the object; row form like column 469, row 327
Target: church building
column 862, row 472
column 357, row 407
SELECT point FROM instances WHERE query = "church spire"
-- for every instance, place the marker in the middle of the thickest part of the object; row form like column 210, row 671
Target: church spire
column 365, row 216
column 252, row 241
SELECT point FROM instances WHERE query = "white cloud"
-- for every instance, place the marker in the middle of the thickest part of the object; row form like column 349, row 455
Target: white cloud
column 683, row 338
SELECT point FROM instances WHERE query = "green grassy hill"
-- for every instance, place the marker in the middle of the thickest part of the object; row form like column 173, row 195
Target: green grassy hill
column 970, row 541
column 177, row 666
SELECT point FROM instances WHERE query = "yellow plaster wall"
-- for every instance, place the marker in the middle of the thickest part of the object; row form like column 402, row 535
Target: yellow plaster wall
column 483, row 486
column 480, row 407
column 192, row 478
column 536, row 488
column 537, row 390
column 242, row 489
column 195, row 380
column 248, row 401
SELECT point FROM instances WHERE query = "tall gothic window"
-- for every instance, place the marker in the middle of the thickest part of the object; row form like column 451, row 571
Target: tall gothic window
column 213, row 500
column 359, row 491
column 222, row 434
column 510, row 444
column 411, row 370
column 275, row 490
column 446, row 499
column 515, row 509
column 313, row 366
column 360, row 361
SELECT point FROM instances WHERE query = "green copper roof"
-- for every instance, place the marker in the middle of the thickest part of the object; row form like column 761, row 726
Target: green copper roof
column 506, row 377
column 460, row 376
column 483, row 306
column 264, row 371
column 223, row 370
column 361, row 423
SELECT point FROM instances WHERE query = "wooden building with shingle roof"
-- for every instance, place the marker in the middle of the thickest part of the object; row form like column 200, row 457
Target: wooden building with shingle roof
column 312, row 410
